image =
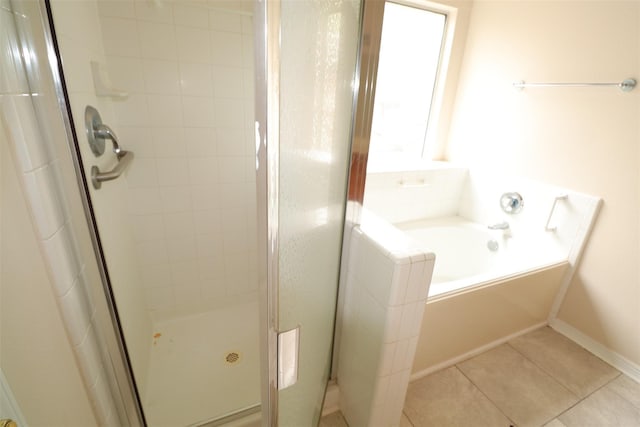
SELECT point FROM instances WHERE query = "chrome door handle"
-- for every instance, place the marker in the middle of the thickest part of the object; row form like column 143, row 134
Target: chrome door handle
column 97, row 132
column 97, row 177
column 103, row 131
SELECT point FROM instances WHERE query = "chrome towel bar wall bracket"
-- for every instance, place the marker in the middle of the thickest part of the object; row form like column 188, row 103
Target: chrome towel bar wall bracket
column 627, row 85
column 548, row 227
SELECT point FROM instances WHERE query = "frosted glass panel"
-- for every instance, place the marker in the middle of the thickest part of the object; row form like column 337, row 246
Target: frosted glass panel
column 318, row 56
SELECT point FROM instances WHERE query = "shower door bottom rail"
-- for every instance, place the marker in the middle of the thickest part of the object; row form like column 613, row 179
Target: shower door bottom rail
column 233, row 416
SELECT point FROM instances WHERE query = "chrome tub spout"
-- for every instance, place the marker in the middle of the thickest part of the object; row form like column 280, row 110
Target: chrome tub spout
column 499, row 226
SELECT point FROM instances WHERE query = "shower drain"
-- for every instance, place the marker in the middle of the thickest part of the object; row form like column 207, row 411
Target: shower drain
column 232, row 358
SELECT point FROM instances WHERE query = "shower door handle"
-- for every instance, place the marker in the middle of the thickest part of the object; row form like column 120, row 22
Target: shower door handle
column 103, row 131
column 288, row 354
column 97, row 132
column 97, row 177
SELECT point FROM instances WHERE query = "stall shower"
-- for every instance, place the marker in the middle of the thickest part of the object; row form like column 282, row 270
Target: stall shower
column 177, row 229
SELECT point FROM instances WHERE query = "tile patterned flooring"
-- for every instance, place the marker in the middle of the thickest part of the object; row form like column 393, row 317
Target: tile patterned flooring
column 539, row 379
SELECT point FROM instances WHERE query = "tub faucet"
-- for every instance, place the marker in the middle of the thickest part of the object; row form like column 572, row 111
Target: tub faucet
column 499, row 226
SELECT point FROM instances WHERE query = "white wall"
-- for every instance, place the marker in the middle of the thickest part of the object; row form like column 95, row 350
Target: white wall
column 188, row 69
column 585, row 139
column 35, row 354
column 37, row 144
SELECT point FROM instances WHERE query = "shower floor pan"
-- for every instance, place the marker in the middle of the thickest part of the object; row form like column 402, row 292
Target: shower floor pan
column 203, row 366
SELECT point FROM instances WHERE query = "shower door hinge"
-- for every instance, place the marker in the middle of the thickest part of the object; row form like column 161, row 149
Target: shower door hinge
column 288, row 347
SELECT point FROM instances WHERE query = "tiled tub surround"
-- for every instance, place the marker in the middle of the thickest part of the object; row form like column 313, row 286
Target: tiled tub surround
column 388, row 280
column 498, row 300
column 438, row 187
column 188, row 70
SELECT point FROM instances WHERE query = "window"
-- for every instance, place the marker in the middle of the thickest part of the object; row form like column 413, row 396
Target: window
column 410, row 56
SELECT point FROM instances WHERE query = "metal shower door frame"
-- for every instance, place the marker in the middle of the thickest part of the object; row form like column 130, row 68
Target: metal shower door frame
column 267, row 131
column 267, row 46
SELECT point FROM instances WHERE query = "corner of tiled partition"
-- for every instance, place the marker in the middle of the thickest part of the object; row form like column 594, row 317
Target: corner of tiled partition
column 386, row 294
column 404, row 317
column 357, row 363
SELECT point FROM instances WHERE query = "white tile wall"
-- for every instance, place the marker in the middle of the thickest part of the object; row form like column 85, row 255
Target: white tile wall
column 20, row 112
column 480, row 197
column 417, row 194
column 40, row 184
column 386, row 290
column 188, row 70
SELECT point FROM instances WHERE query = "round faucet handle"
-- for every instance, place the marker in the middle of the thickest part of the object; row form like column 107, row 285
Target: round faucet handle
column 511, row 202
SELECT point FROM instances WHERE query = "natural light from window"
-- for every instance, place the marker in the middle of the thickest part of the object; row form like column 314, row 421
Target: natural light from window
column 410, row 49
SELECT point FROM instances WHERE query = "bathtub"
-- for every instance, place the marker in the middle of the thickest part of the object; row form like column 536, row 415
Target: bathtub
column 478, row 297
column 470, row 255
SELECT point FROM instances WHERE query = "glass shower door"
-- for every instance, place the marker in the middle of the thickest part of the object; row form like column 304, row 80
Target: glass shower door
column 317, row 66
column 173, row 81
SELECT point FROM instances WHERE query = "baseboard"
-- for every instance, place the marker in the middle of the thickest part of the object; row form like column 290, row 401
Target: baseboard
column 616, row 360
column 474, row 352
column 331, row 399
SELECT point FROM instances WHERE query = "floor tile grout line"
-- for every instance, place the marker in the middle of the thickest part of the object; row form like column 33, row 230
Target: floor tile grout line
column 589, row 395
column 618, row 394
column 580, row 399
column 551, row 375
column 620, row 374
column 512, row 422
column 407, row 417
column 544, row 371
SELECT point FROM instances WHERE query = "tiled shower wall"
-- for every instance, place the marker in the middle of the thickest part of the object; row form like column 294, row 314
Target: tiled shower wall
column 188, row 70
